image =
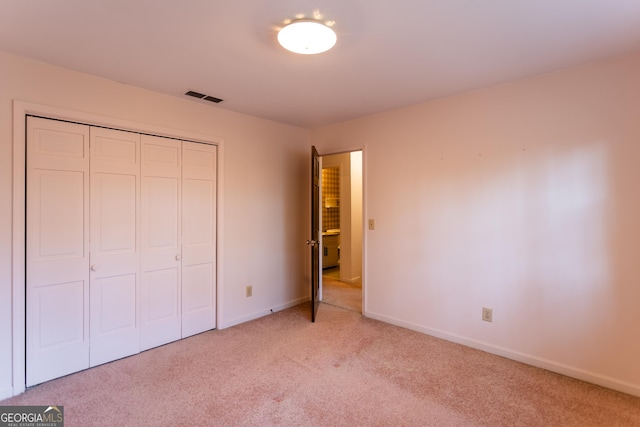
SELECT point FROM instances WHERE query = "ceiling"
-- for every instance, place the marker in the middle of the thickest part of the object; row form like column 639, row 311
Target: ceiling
column 389, row 54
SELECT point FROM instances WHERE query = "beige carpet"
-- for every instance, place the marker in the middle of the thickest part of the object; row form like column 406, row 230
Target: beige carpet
column 331, row 273
column 341, row 294
column 343, row 370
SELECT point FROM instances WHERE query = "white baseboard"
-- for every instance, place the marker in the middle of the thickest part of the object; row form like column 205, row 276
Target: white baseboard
column 550, row 365
column 262, row 313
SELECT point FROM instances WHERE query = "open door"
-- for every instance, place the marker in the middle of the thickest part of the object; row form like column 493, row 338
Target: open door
column 314, row 242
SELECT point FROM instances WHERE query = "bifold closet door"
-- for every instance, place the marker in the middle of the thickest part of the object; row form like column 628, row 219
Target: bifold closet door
column 161, row 241
column 57, row 257
column 121, row 244
column 198, row 237
column 115, row 245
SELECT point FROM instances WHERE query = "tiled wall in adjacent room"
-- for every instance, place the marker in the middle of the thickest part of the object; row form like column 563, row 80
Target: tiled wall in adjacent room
column 330, row 189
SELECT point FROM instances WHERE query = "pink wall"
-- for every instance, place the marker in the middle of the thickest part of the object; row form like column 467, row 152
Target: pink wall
column 523, row 198
column 265, row 186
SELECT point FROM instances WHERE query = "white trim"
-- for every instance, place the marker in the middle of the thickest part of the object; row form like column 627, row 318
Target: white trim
column 18, row 246
column 220, row 237
column 20, row 110
column 549, row 365
column 319, row 230
column 365, row 229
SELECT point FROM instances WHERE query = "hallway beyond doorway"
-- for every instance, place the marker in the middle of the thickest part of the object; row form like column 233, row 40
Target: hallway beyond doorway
column 341, row 294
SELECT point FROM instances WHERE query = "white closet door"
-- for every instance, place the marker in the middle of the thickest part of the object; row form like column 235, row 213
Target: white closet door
column 57, row 249
column 115, row 244
column 161, row 252
column 198, row 238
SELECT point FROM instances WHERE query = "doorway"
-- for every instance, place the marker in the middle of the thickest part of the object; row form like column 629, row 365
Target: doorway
column 342, row 227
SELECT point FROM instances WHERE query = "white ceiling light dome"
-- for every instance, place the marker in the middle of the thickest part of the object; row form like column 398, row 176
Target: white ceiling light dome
column 307, row 37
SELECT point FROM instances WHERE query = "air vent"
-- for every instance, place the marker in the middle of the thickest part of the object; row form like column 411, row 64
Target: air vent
column 203, row 96
column 195, row 94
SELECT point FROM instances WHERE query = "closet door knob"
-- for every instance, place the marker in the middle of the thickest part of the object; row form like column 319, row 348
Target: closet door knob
column 94, row 267
column 178, row 257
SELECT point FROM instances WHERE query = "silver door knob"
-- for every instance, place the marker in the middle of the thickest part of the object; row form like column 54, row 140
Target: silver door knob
column 178, row 257
column 312, row 242
column 94, row 267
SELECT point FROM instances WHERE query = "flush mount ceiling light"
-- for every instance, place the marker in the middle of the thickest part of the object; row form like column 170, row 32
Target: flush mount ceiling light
column 307, row 36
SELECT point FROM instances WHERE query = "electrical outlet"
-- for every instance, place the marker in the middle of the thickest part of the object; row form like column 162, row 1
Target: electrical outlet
column 249, row 291
column 487, row 314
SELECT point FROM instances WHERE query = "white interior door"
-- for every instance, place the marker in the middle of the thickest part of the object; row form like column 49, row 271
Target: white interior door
column 115, row 244
column 198, row 237
column 57, row 273
column 161, row 241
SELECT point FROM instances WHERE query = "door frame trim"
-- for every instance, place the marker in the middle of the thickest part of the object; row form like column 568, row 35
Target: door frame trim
column 21, row 109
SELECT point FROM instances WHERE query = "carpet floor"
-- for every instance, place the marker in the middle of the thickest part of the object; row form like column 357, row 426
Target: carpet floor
column 341, row 294
column 343, row 370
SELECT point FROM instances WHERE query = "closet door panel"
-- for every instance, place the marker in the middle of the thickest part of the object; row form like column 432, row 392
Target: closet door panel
column 198, row 289
column 57, row 286
column 116, row 311
column 115, row 246
column 198, row 238
column 161, row 252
